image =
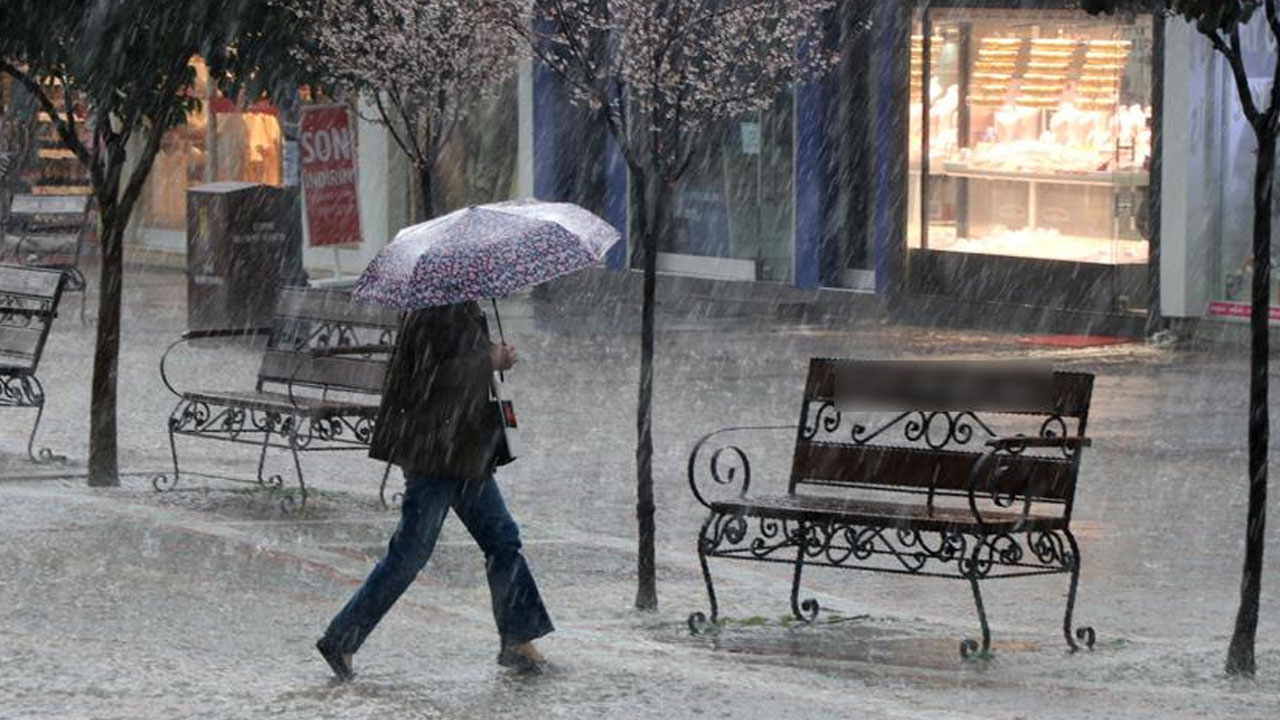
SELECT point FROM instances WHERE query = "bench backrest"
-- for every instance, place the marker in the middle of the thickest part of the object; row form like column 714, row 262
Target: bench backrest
column 46, row 213
column 916, row 428
column 28, row 303
column 307, row 319
column 31, row 216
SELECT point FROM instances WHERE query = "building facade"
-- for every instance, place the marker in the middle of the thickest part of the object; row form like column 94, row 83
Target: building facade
column 980, row 153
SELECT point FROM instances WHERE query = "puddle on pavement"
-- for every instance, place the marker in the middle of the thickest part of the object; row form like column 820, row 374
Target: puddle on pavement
column 866, row 641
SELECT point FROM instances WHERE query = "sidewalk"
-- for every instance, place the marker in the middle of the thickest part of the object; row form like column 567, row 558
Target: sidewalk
column 126, row 603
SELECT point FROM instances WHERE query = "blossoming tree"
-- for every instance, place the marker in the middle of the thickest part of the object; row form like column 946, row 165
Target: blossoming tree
column 421, row 64
column 659, row 74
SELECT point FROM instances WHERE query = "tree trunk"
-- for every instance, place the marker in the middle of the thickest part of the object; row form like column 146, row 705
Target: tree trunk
column 103, row 460
column 656, row 210
column 426, row 190
column 1240, row 655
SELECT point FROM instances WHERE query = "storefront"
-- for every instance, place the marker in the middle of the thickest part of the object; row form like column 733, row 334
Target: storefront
column 37, row 161
column 227, row 140
column 221, row 140
column 989, row 151
column 1030, row 155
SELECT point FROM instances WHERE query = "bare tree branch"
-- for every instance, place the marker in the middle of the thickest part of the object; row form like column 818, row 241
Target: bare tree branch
column 1235, row 60
column 391, row 126
column 65, row 132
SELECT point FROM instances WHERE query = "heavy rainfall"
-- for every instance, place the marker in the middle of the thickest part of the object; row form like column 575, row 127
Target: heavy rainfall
column 819, row 318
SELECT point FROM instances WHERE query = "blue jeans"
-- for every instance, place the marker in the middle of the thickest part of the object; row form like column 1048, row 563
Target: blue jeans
column 517, row 606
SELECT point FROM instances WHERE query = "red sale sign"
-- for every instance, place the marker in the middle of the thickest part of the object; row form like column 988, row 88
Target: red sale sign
column 328, row 166
column 1239, row 311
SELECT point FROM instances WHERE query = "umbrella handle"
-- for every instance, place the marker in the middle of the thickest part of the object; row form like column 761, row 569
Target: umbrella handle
column 498, row 319
column 501, row 338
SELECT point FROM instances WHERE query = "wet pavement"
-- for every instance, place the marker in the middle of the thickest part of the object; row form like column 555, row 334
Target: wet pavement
column 204, row 602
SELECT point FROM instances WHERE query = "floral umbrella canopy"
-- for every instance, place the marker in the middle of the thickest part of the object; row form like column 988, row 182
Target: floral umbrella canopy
column 484, row 251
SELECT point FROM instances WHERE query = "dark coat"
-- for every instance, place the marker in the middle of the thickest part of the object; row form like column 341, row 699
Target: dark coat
column 436, row 418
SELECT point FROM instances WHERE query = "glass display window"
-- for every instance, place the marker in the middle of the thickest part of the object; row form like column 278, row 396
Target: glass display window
column 38, row 161
column 735, row 202
column 478, row 162
column 1030, row 134
column 1232, row 290
column 221, row 140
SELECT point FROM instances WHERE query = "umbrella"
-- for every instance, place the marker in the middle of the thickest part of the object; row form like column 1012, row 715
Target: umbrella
column 484, row 251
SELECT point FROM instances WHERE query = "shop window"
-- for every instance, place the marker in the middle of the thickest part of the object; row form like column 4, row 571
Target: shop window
column 221, row 140
column 37, row 161
column 735, row 201
column 1030, row 135
column 1233, row 265
column 478, row 163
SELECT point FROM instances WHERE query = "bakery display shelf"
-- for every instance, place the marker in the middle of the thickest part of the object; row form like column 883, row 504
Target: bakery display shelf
column 61, row 190
column 1119, row 178
column 56, row 154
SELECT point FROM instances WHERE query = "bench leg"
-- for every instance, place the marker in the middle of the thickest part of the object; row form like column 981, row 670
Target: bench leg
column 274, row 481
column 969, row 647
column 287, row 504
column 1084, row 633
column 163, row 482
column 382, row 489
column 698, row 622
column 806, row 611
column 35, row 394
column 970, row 570
column 76, row 282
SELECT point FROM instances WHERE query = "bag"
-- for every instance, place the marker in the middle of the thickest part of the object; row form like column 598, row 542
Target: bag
column 508, row 448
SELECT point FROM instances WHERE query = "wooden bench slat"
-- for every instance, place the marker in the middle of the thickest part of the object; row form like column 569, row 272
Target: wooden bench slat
column 343, row 372
column 30, row 282
column 22, row 342
column 27, row 204
column 333, row 306
column 1040, row 477
column 885, row 514
column 280, row 402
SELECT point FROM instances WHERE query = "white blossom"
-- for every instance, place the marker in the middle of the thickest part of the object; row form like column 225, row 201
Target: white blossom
column 661, row 71
column 421, row 63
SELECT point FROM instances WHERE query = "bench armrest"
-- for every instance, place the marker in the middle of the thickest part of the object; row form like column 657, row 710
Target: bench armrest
column 1018, row 443
column 1023, row 441
column 988, row 467
column 190, row 335
column 726, row 462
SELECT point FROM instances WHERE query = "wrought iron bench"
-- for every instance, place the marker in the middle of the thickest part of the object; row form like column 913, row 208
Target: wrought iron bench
column 911, row 468
column 48, row 231
column 28, row 304
column 318, row 389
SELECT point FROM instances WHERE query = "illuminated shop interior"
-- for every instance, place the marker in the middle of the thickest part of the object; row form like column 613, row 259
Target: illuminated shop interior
column 1033, row 139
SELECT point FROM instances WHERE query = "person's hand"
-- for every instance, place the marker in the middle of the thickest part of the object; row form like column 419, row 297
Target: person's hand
column 503, row 357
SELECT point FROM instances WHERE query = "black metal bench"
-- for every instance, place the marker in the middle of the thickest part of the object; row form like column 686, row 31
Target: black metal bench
column 910, row 468
column 319, row 384
column 48, row 231
column 28, row 304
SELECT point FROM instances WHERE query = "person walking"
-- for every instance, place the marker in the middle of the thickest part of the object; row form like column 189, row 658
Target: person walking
column 437, row 423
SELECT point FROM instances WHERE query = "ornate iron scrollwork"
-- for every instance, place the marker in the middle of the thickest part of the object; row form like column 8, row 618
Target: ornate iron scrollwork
column 20, row 391
column 936, row 429
column 725, row 466
column 949, row 553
